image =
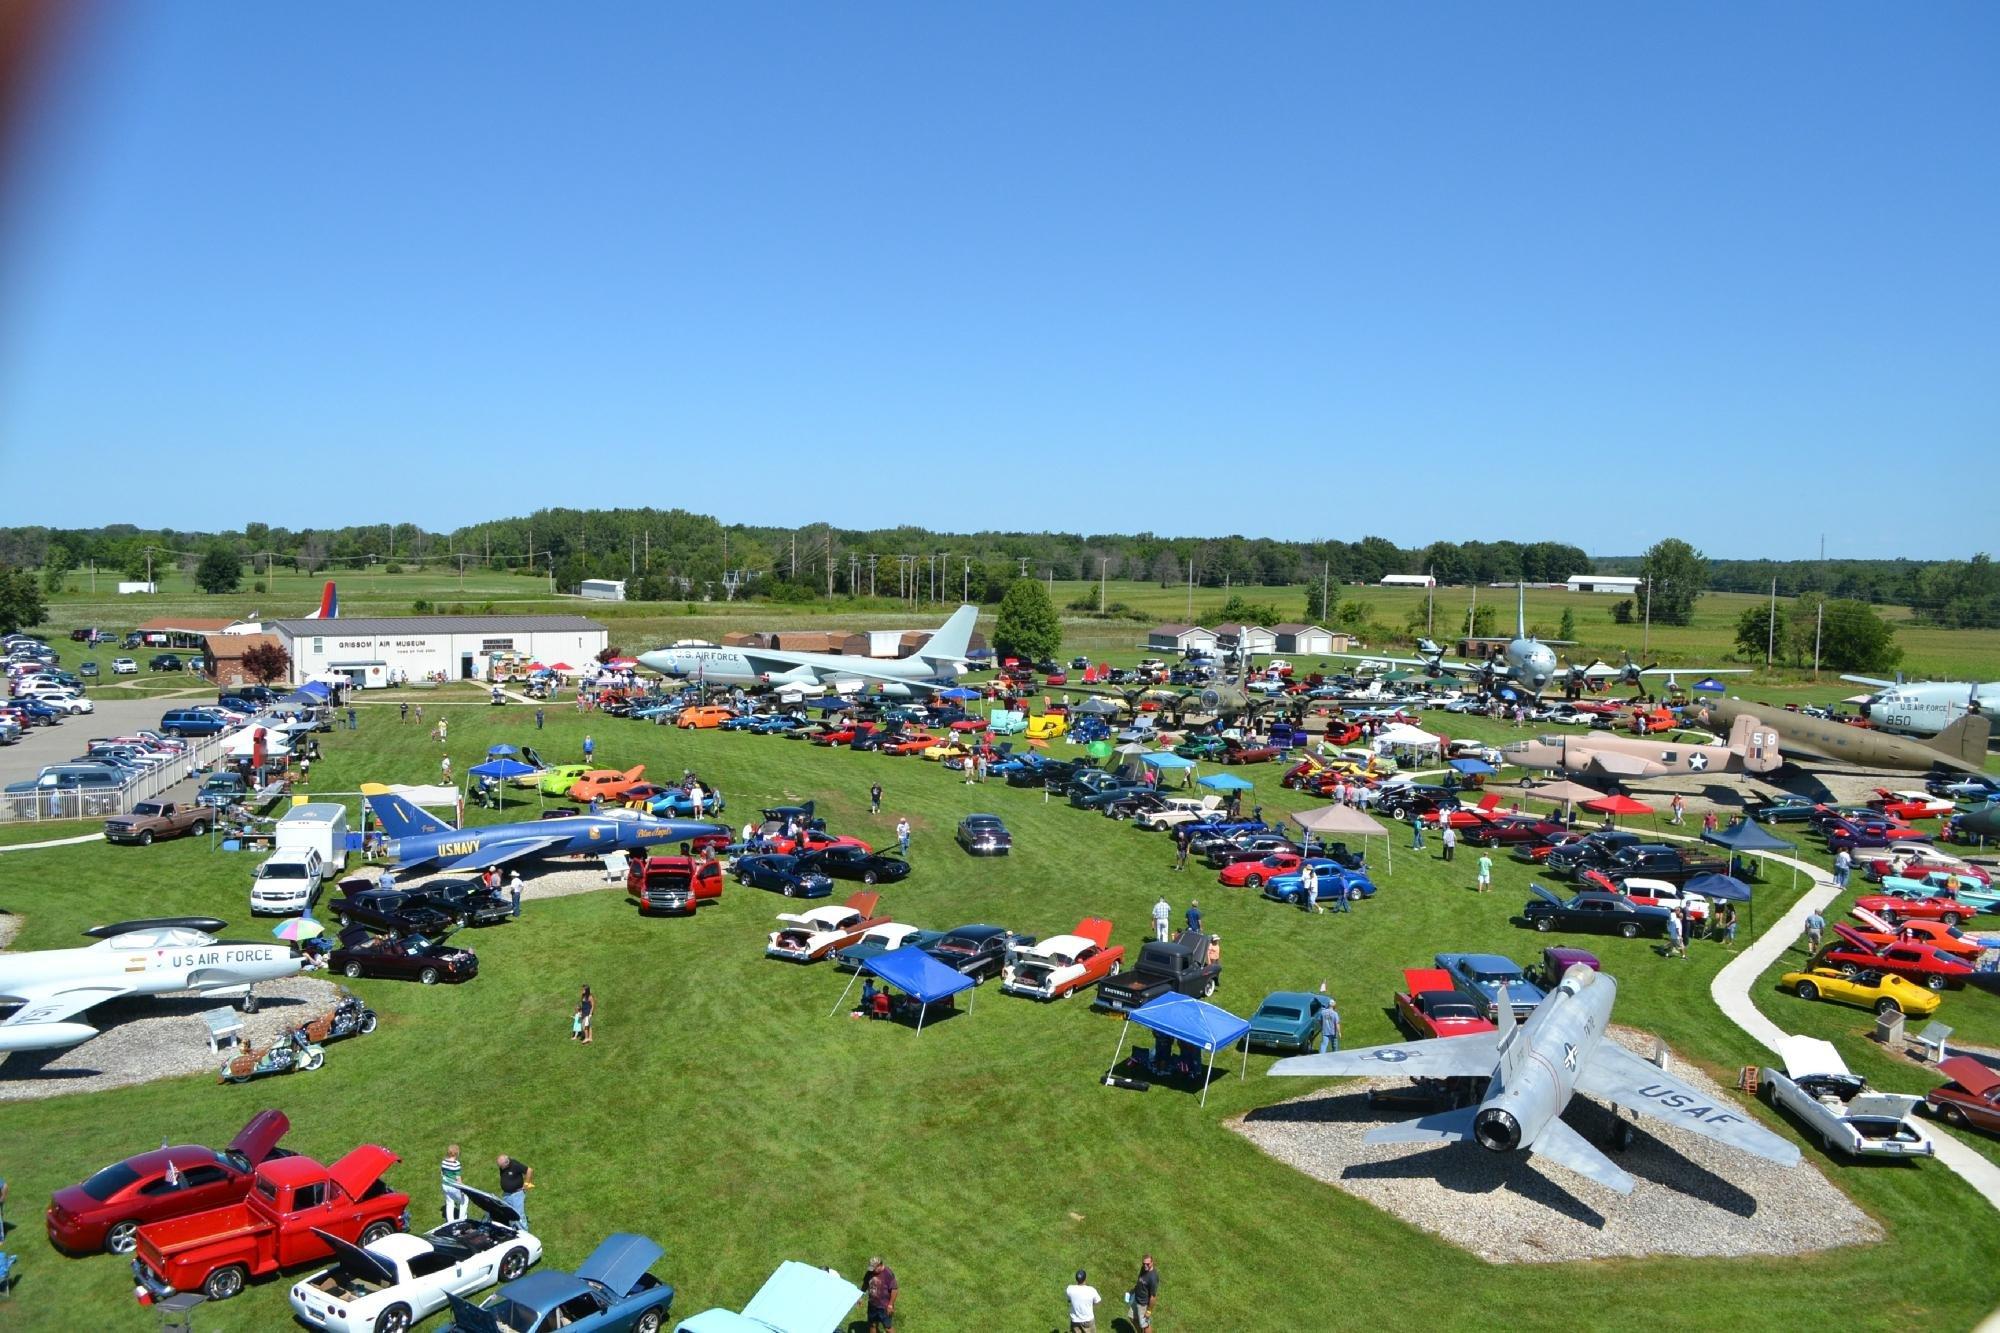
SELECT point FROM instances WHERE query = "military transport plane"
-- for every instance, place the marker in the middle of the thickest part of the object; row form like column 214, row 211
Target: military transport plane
column 1533, row 1068
column 935, row 665
column 1752, row 748
column 1924, row 708
column 418, row 838
column 151, row 957
column 1960, row 746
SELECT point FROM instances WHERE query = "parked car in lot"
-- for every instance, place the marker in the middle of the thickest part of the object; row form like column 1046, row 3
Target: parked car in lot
column 1431, row 1005
column 1593, row 910
column 124, row 666
column 673, row 885
column 192, row 722
column 1905, row 958
column 611, row 1292
column 1060, row 966
column 883, row 939
column 106, row 1211
column 1481, row 975
column 166, row 662
column 977, row 951
column 1884, row 992
column 808, row 936
column 1971, row 1100
column 847, row 861
column 1836, row 1107
column 152, row 820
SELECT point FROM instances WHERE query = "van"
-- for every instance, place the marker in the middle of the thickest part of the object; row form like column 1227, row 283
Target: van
column 191, row 722
column 319, row 827
column 287, row 882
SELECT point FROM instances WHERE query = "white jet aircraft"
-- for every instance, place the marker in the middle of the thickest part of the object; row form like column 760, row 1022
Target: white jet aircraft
column 935, row 665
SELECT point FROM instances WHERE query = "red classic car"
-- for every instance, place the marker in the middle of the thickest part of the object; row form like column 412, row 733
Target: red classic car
column 1943, row 938
column 1506, row 830
column 1917, row 962
column 1467, row 817
column 968, row 724
column 1896, row 907
column 811, row 840
column 1908, row 805
column 1913, row 863
column 1256, row 874
column 1971, row 1100
column 1060, row 966
column 1431, row 1006
column 106, row 1211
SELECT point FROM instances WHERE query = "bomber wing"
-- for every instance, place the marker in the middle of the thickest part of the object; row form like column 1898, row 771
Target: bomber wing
column 1424, row 662
column 1438, row 1057
column 1615, row 1075
column 1616, row 763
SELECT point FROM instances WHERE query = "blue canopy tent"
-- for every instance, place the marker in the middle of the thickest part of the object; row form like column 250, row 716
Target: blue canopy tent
column 1227, row 782
column 915, row 973
column 500, row 751
column 1709, row 685
column 501, row 771
column 1474, row 767
column 1722, row 888
column 1165, row 760
column 317, row 692
column 959, row 692
column 1745, row 836
column 1186, row 1019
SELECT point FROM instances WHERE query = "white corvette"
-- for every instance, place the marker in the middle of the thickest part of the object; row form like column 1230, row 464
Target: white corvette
column 388, row 1286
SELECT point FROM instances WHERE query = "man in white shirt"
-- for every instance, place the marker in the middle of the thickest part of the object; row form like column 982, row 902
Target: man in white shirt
column 1161, row 915
column 1083, row 1299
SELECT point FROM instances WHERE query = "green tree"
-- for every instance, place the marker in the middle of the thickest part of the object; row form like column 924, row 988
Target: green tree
column 1240, row 610
column 220, row 570
column 1754, row 630
column 1854, row 638
column 1027, row 625
column 1621, row 612
column 20, row 600
column 1676, row 573
column 1317, row 610
column 1566, row 628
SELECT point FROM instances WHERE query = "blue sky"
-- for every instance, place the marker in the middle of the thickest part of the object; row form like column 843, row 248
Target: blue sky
column 1598, row 273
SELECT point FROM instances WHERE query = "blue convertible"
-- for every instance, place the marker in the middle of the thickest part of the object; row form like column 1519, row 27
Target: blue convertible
column 611, row 1292
column 675, row 803
column 1332, row 878
column 782, row 874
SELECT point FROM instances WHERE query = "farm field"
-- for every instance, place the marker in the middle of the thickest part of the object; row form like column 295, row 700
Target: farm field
column 726, row 1112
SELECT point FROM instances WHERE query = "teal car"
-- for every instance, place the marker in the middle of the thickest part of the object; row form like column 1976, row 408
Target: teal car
column 1979, row 897
column 1201, row 747
column 1288, row 1020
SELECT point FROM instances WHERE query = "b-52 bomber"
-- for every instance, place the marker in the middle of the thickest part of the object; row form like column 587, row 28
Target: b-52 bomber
column 1533, row 1068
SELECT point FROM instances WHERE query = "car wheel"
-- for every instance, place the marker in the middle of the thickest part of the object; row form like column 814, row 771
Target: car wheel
column 146, row 838
column 198, row 829
column 1116, row 968
column 1208, row 988
column 1935, row 981
column 352, row 970
column 1949, row 918
column 648, row 1322
column 1808, row 991
column 743, row 878
column 378, row 1231
column 1850, row 971
column 1545, row 924
column 395, row 1319
column 344, row 922
column 1885, row 1005
column 791, row 890
column 223, row 1283
column 1954, row 1115
column 122, row 1238
column 1630, row 930
column 1403, row 813
column 429, row 976
column 513, row 1264
column 868, row 877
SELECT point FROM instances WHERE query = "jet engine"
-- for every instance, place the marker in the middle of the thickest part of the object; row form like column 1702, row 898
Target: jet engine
column 1496, row 1130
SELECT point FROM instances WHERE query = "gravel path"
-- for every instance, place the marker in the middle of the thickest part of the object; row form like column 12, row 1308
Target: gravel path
column 551, row 881
column 1694, row 1198
column 145, row 1039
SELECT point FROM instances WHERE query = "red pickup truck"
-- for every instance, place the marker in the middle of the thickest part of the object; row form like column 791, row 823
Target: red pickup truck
column 216, row 1252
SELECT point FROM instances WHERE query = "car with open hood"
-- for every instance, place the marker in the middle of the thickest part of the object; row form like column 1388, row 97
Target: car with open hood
column 1971, row 1100
column 1943, row 938
column 1910, row 959
column 808, row 936
column 106, row 1211
column 1429, row 1005
column 1838, row 1108
column 391, row 1283
column 1061, row 965
column 612, row 1291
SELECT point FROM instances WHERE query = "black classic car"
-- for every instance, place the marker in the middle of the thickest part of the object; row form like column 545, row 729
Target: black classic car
column 1594, row 910
column 846, row 861
column 984, row 835
column 978, row 952
column 402, row 957
column 395, row 911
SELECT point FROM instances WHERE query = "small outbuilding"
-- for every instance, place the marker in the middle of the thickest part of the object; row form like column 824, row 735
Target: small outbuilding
column 1624, row 585
column 1307, row 640
column 1179, row 639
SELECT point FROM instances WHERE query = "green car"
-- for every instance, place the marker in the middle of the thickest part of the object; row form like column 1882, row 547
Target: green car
column 558, row 780
column 1784, row 810
column 1201, row 747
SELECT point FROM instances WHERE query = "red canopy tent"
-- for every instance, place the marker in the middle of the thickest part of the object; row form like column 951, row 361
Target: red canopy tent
column 1618, row 804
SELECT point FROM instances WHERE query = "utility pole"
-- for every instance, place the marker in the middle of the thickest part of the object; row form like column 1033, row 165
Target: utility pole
column 795, row 557
column 965, row 584
column 1024, row 568
column 1325, row 611
column 1190, row 599
column 649, row 550
column 1646, row 633
column 1771, row 626
column 1102, row 562
column 1819, row 624
column 1430, row 599
column 635, row 556
column 871, row 573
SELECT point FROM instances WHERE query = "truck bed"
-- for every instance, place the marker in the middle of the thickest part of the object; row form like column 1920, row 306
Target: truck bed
column 161, row 1242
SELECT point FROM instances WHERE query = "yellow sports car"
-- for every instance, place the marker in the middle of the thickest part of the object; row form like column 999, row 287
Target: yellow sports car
column 946, row 750
column 1884, row 992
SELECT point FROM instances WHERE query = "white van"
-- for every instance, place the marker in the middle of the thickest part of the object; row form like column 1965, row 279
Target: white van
column 287, row 883
column 319, row 826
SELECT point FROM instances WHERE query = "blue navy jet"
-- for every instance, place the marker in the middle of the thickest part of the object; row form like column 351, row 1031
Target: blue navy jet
column 417, row 837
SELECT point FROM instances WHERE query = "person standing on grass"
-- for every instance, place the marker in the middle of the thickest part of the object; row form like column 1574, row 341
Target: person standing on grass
column 514, row 888
column 1675, row 947
column 404, row 712
column 589, row 747
column 882, row 1289
column 1144, row 1296
column 1083, row 1299
column 353, row 723
column 1162, row 913
column 1680, row 810
column 538, row 719
column 1416, row 832
column 451, row 1175
column 1485, row 872
column 420, row 715
column 1181, row 845
column 444, row 767
column 1449, row 838
column 875, row 799
column 1329, row 1026
column 586, row 1008
column 1193, row 915
column 516, row 1179
column 903, row 837
column 1309, row 887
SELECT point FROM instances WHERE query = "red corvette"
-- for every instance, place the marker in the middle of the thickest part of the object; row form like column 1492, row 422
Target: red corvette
column 1914, row 962
column 1943, row 938
column 915, row 742
column 1430, row 1006
column 1896, row 908
column 1465, row 818
column 1255, row 874
column 106, row 1211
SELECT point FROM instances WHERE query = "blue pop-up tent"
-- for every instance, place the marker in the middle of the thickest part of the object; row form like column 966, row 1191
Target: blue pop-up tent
column 317, row 692
column 1167, row 759
column 915, row 973
column 1186, row 1019
column 1746, row 836
column 1474, row 767
column 502, row 771
column 1226, row 782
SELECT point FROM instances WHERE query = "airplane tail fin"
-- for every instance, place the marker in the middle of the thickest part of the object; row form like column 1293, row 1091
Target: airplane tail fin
column 400, row 819
column 1756, row 743
column 1513, row 1046
column 953, row 639
column 1965, row 740
column 329, row 604
column 1561, row 1144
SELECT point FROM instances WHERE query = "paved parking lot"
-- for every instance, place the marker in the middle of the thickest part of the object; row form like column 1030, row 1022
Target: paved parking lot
column 40, row 746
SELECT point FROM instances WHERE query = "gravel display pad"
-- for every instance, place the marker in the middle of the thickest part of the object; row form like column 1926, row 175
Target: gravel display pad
column 549, row 880
column 1694, row 1197
column 144, row 1039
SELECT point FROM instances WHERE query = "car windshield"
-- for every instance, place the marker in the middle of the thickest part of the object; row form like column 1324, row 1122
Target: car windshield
column 1495, row 976
column 512, row 1316
column 1278, row 1011
column 1442, row 1004
column 109, row 1181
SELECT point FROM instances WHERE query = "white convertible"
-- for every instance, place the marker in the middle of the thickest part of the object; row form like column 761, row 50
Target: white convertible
column 390, row 1285
column 1837, row 1107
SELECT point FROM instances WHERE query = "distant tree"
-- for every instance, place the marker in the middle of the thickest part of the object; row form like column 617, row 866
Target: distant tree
column 1676, row 574
column 1240, row 610
column 1483, row 620
column 1317, row 612
column 1621, row 612
column 53, row 578
column 220, row 570
column 1566, row 628
column 1754, row 630
column 1353, row 615
column 1854, row 638
column 21, row 603
column 266, row 662
column 610, row 652
column 1027, row 625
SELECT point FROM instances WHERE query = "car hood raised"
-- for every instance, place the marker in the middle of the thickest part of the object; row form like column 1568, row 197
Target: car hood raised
column 256, row 1140
column 360, row 1169
column 620, row 1261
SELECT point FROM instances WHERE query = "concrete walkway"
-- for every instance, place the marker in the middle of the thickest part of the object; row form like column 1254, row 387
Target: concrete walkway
column 53, row 842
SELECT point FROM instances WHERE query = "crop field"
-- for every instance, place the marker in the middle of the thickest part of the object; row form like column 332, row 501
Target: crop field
column 728, row 1112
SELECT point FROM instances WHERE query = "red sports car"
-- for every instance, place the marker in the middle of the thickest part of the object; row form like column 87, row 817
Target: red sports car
column 1896, row 907
column 106, row 1211
column 1251, row 754
column 1943, row 938
column 1916, row 867
column 1256, row 874
column 1915, row 962
column 914, row 742
column 1971, row 1100
column 1430, row 1006
column 1507, row 830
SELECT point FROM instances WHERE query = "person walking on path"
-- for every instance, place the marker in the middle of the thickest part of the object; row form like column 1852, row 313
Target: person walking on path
column 1485, row 872
column 1329, row 1027
column 1449, row 838
column 586, row 1008
column 451, row 1175
column 589, row 746
column 1843, row 865
column 903, row 837
column 516, row 1179
column 1162, row 914
column 1083, row 1299
column 882, row 1290
column 875, row 799
column 1144, row 1296
column 1815, row 932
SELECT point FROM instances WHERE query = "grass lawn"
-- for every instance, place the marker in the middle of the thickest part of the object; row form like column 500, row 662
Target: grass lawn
column 724, row 1112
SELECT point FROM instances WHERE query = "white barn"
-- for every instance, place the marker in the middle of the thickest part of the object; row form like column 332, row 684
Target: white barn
column 1251, row 640
column 1408, row 581
column 1623, row 584
column 603, row 590
column 376, row 651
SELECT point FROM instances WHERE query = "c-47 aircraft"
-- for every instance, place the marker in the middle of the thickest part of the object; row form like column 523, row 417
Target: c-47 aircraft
column 1534, row 1067
column 152, row 957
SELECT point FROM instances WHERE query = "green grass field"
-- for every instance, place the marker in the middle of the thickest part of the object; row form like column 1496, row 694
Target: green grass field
column 724, row 1112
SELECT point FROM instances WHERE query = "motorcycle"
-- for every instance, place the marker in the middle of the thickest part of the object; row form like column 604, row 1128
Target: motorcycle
column 349, row 1018
column 291, row 1051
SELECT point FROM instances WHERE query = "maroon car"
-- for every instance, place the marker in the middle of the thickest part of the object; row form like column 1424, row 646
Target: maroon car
column 106, row 1211
column 1507, row 830
column 1971, row 1100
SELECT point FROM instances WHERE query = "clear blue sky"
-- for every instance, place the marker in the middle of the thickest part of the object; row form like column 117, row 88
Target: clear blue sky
column 1598, row 272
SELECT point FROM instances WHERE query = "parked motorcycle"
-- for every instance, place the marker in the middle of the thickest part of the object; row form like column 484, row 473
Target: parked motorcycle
column 291, row 1051
column 349, row 1018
